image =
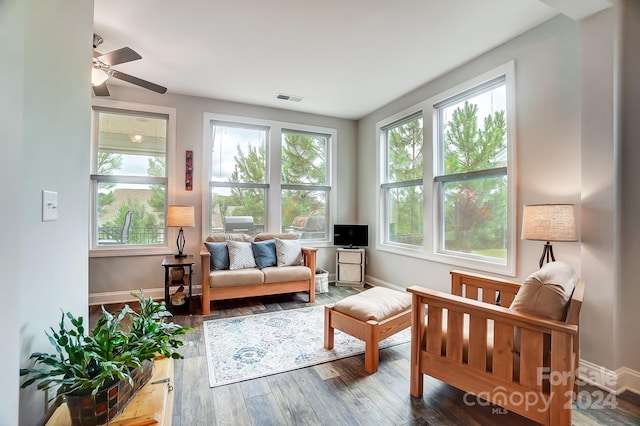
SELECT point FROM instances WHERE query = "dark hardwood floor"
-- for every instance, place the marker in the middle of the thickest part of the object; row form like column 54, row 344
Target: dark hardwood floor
column 340, row 392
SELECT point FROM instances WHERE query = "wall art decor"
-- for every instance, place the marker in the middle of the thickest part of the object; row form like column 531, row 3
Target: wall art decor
column 188, row 173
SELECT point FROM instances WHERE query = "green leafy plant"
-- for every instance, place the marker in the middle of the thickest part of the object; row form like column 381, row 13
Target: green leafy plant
column 118, row 344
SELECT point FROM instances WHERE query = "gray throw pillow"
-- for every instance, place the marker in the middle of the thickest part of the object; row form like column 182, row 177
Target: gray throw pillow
column 219, row 256
column 264, row 253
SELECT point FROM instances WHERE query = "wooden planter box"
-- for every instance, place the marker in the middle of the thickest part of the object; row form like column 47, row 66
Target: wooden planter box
column 104, row 406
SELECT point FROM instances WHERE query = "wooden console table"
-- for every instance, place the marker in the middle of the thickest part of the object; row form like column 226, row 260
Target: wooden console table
column 152, row 405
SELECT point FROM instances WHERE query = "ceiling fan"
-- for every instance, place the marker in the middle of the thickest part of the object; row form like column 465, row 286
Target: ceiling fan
column 101, row 69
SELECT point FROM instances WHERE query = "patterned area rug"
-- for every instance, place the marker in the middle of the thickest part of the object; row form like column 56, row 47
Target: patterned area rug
column 252, row 346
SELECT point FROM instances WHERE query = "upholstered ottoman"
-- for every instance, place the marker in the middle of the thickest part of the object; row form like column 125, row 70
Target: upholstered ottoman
column 372, row 316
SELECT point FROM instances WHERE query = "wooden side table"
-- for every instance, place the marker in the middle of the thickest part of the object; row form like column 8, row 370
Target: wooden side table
column 169, row 262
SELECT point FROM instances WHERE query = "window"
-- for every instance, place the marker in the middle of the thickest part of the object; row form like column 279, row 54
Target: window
column 128, row 178
column 471, row 180
column 452, row 202
column 268, row 176
column 403, row 182
column 305, row 189
column 238, row 177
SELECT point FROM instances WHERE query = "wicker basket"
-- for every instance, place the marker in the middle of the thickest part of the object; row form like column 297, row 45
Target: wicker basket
column 104, row 406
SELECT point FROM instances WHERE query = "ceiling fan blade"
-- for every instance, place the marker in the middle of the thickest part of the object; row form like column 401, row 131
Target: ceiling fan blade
column 138, row 81
column 101, row 90
column 120, row 56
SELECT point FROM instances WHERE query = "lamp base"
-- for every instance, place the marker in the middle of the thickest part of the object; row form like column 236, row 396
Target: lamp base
column 547, row 253
column 180, row 243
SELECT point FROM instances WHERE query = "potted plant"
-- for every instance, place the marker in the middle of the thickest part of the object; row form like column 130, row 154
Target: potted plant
column 105, row 367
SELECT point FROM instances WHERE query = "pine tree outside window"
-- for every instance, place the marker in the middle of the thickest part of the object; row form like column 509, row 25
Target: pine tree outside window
column 403, row 185
column 275, row 175
column 447, row 176
column 472, row 172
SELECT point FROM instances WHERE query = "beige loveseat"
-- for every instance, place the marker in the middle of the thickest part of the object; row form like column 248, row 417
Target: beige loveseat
column 221, row 281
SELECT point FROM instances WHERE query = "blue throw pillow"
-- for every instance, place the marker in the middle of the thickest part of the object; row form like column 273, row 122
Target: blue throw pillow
column 219, row 255
column 265, row 253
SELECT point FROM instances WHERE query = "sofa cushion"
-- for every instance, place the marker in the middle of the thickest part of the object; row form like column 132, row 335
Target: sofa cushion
column 240, row 255
column 377, row 303
column 239, row 277
column 219, row 255
column 264, row 252
column 288, row 252
column 263, row 236
column 274, row 274
column 546, row 292
column 219, row 237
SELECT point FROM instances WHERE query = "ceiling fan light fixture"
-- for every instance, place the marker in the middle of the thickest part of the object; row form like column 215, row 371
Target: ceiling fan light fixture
column 136, row 137
column 98, row 76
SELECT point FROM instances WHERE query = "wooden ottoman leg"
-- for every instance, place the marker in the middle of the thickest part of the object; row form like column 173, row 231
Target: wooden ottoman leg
column 328, row 327
column 371, row 354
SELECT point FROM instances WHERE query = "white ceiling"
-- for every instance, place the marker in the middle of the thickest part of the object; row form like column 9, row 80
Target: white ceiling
column 345, row 58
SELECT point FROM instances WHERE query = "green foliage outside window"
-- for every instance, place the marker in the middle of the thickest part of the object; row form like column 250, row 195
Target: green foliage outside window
column 475, row 211
column 405, row 163
column 303, row 163
column 147, row 221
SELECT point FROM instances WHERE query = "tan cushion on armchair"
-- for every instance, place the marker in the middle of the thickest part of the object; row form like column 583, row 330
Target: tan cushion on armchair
column 546, row 293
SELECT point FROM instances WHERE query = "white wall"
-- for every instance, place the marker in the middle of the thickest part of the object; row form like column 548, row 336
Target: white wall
column 11, row 105
column 113, row 277
column 44, row 108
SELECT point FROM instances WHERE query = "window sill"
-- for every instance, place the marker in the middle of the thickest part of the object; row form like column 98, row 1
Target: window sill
column 129, row 251
column 418, row 253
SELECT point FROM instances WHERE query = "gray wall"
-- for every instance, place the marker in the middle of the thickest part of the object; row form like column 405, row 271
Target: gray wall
column 112, row 278
column 44, row 110
column 598, row 188
column 627, row 138
column 566, row 72
column 547, row 71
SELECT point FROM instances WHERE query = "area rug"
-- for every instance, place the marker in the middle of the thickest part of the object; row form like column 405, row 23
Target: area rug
column 252, row 346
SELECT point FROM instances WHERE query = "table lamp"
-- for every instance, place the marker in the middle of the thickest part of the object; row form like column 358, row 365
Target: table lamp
column 549, row 222
column 179, row 216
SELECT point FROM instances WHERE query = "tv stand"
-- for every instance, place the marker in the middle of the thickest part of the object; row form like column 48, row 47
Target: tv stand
column 350, row 267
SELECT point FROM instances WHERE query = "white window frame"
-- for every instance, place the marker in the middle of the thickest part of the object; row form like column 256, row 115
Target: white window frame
column 170, row 167
column 274, row 164
column 386, row 186
column 430, row 248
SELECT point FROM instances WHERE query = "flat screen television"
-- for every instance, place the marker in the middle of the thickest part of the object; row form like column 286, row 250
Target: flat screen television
column 352, row 236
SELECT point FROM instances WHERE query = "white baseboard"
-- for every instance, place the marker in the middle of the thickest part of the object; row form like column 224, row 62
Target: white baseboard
column 629, row 380
column 618, row 381
column 380, row 283
column 125, row 296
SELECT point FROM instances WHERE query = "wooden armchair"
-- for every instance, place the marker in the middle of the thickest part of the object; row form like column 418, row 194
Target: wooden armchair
column 473, row 341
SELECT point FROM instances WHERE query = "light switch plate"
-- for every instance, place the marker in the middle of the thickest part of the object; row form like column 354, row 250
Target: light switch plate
column 49, row 206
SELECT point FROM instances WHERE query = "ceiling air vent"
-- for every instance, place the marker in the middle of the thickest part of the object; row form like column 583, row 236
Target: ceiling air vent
column 291, row 98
